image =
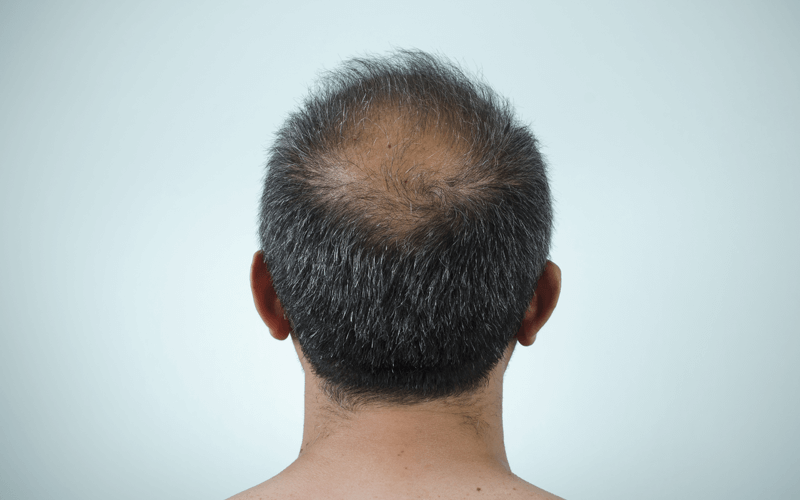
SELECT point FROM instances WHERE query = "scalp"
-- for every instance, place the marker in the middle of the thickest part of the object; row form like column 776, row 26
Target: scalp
column 400, row 166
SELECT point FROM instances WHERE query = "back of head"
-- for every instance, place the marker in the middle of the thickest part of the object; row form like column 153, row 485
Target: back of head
column 405, row 220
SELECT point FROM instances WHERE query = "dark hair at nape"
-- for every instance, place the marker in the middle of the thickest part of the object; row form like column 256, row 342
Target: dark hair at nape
column 405, row 219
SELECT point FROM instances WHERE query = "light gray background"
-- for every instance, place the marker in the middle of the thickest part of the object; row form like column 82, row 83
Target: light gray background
column 132, row 142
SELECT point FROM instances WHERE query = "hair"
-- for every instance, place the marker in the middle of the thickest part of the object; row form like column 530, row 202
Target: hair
column 405, row 220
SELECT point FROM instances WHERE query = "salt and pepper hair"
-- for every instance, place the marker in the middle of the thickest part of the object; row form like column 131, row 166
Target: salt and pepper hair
column 405, row 219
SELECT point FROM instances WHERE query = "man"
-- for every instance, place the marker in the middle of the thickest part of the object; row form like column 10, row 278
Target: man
column 405, row 229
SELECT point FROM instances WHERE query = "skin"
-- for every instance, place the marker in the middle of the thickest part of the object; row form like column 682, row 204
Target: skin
column 445, row 449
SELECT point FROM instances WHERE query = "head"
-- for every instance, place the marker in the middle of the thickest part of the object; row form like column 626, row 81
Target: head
column 405, row 226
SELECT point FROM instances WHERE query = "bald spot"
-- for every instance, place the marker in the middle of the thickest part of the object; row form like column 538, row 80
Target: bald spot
column 398, row 168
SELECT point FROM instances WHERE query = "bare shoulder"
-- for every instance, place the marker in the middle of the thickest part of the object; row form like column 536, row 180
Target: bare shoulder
column 523, row 489
column 271, row 489
column 256, row 492
column 278, row 488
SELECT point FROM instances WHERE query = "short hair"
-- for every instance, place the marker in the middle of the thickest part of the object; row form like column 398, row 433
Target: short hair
column 405, row 220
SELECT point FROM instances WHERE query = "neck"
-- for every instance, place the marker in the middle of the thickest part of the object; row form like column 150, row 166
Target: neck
column 461, row 435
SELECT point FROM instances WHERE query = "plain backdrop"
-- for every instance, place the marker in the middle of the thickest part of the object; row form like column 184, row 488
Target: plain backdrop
column 132, row 148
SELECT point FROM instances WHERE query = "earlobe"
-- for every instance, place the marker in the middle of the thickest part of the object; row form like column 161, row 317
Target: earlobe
column 542, row 305
column 266, row 300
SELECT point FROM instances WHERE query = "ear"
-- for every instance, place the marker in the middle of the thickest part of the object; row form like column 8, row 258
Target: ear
column 544, row 301
column 266, row 300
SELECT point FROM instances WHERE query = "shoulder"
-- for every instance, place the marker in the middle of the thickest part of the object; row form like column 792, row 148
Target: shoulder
column 524, row 489
column 510, row 487
column 273, row 488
